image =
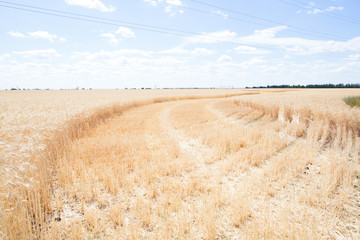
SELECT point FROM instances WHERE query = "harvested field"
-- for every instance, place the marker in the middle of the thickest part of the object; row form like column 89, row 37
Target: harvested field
column 266, row 164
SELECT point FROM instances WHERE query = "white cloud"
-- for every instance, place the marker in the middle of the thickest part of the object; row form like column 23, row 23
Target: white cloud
column 112, row 38
column 270, row 32
column 107, row 55
column 255, row 61
column 224, row 58
column 214, row 37
column 43, row 35
column 16, row 34
column 116, row 69
column 120, row 33
column 227, row 36
column 202, row 52
column 220, row 13
column 224, row 36
column 61, row 39
column 307, row 47
column 38, row 35
column 181, row 51
column 171, row 11
column 174, row 2
column 174, row 51
column 92, row 4
column 353, row 57
column 43, row 53
column 330, row 9
column 168, row 9
column 168, row 5
column 267, row 38
column 243, row 49
column 170, row 2
column 314, row 10
column 125, row 32
column 152, row 2
column 346, row 68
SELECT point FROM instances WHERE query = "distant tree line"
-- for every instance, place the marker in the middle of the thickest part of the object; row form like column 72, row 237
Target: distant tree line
column 328, row 85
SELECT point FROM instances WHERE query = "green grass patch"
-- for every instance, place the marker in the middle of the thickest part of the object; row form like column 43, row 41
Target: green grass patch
column 353, row 101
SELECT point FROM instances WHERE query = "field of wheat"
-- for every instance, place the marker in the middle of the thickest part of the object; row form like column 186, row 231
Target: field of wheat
column 179, row 164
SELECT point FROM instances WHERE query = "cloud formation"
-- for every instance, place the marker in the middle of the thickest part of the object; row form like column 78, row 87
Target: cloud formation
column 213, row 37
column 312, row 9
column 170, row 2
column 38, row 35
column 16, row 34
column 92, row 4
column 195, row 52
column 42, row 53
column 112, row 38
column 183, row 66
column 329, row 9
column 267, row 38
column 125, row 32
column 120, row 33
column 169, row 5
column 244, row 49
column 220, row 13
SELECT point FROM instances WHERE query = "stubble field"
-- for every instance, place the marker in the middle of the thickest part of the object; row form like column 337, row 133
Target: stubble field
column 180, row 164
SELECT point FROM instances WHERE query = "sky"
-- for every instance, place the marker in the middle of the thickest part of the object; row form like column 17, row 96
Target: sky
column 108, row 44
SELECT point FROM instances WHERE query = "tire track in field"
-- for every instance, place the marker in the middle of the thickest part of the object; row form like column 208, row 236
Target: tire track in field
column 203, row 156
column 210, row 171
column 188, row 146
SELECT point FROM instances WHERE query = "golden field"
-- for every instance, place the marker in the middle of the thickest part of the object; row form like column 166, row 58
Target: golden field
column 179, row 164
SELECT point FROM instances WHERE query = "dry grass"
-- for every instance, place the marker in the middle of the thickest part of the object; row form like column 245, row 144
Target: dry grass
column 273, row 165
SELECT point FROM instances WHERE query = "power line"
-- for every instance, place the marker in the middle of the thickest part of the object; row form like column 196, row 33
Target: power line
column 180, row 32
column 228, row 17
column 262, row 24
column 112, row 22
column 91, row 17
column 106, row 21
column 235, row 11
column 88, row 20
column 269, row 20
column 131, row 23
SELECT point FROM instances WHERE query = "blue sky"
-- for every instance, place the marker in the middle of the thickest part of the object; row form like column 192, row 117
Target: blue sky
column 178, row 43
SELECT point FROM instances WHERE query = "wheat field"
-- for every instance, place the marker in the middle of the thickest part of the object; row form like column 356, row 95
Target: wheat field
column 179, row 164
